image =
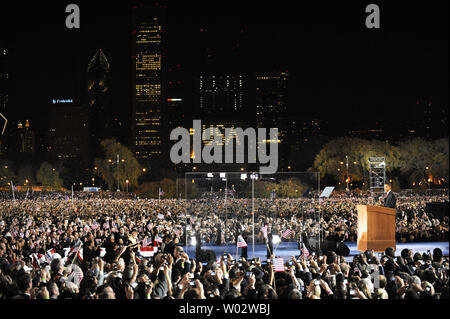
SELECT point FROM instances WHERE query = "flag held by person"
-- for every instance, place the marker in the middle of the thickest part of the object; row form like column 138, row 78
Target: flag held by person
column 146, row 242
column 147, row 251
column 50, row 254
column 286, row 233
column 304, row 251
column 241, row 242
column 278, row 264
column 158, row 239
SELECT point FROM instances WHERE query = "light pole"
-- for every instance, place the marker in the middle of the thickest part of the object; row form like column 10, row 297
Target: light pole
column 118, row 186
column 347, row 179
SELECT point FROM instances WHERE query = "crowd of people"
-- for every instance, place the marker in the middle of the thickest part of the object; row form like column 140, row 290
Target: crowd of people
column 91, row 247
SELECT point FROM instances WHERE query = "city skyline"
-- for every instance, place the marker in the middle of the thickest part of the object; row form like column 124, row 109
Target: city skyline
column 334, row 78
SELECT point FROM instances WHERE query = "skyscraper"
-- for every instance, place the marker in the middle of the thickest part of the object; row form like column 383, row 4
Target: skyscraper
column 149, row 96
column 271, row 98
column 221, row 93
column 100, row 126
column 4, row 78
column 68, row 131
column 4, row 92
column 27, row 138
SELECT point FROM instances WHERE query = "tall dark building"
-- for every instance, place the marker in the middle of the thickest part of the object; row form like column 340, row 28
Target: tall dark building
column 27, row 138
column 68, row 131
column 4, row 78
column 100, row 117
column 4, row 92
column 271, row 98
column 149, row 84
column 221, row 93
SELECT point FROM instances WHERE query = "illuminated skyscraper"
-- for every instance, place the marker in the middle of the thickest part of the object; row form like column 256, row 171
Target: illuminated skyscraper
column 149, row 97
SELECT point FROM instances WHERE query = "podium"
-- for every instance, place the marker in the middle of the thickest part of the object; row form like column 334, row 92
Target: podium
column 376, row 228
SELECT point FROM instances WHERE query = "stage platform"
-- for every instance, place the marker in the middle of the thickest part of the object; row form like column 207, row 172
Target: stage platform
column 288, row 249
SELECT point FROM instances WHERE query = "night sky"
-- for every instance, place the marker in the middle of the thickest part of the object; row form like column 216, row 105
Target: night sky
column 340, row 70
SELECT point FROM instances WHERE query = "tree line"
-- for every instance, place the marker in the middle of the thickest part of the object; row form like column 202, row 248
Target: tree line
column 411, row 163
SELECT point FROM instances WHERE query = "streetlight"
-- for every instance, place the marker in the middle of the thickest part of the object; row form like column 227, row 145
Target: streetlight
column 118, row 185
column 144, row 169
column 348, row 179
column 93, row 180
column 127, row 181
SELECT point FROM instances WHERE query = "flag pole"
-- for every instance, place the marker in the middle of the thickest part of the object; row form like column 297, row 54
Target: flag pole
column 76, row 253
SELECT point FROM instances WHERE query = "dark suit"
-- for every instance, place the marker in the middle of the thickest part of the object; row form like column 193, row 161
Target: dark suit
column 390, row 201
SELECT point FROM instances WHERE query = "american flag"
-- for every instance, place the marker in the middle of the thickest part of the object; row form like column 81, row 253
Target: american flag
column 149, row 226
column 106, row 225
column 304, row 251
column 94, row 225
column 74, row 250
column 158, row 239
column 264, row 231
column 241, row 242
column 146, row 242
column 278, row 264
column 50, row 254
column 80, row 254
column 160, row 216
column 37, row 259
column 148, row 251
column 177, row 232
column 286, row 233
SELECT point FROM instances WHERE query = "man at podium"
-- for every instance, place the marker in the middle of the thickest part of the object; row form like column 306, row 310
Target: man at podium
column 389, row 197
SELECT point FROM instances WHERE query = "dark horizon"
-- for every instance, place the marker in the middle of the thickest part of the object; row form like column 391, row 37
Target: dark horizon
column 339, row 70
